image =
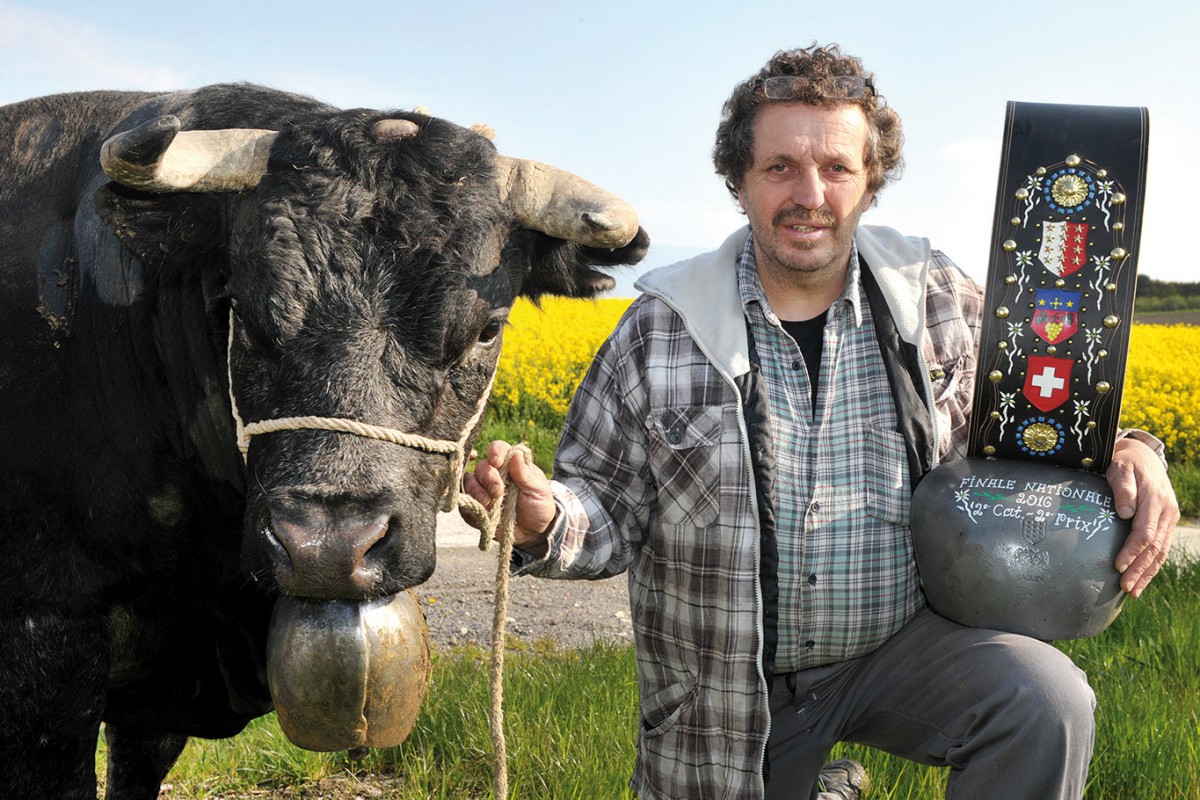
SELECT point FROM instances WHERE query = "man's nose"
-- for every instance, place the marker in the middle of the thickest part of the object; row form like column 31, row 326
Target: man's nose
column 808, row 190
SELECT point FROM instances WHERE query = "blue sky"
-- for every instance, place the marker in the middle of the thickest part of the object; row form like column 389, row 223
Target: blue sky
column 627, row 93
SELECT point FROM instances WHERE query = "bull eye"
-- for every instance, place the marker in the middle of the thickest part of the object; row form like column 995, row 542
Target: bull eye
column 491, row 331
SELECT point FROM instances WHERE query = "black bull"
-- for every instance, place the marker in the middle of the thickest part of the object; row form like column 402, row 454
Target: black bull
column 365, row 263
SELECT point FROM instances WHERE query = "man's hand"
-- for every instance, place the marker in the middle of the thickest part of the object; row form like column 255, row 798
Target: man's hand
column 535, row 504
column 1142, row 492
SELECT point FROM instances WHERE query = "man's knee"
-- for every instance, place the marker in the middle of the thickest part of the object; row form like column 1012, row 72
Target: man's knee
column 1049, row 692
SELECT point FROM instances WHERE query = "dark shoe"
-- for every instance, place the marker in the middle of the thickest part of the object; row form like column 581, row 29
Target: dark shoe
column 842, row 780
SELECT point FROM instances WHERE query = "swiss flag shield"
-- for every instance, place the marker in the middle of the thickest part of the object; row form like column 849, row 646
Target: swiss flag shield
column 1048, row 381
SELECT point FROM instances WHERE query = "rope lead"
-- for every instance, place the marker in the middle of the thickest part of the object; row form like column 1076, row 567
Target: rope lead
column 499, row 524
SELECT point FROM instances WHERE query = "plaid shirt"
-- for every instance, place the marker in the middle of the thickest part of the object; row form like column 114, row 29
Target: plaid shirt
column 653, row 477
column 847, row 575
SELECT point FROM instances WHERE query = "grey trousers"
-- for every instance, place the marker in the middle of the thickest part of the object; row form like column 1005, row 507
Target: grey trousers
column 1010, row 716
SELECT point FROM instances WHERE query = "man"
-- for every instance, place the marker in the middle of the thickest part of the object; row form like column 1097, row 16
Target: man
column 742, row 447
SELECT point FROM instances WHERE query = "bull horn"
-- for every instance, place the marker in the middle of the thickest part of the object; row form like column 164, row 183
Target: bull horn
column 159, row 157
column 563, row 205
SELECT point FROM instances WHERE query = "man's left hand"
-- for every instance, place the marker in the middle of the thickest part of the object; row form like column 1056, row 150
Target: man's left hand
column 1142, row 492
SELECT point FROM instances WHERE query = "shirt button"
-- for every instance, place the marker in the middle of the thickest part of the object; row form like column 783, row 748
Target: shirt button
column 814, row 506
column 796, row 364
column 810, row 644
column 812, row 579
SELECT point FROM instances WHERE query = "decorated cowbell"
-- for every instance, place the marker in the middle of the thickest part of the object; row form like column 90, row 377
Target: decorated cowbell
column 1022, row 535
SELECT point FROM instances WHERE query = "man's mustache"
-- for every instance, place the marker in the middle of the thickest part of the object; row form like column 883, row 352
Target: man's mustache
column 791, row 216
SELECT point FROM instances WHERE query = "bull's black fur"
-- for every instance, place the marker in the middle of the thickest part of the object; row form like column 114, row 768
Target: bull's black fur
column 369, row 278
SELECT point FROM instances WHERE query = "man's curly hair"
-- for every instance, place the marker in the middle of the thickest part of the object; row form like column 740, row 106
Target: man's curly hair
column 734, row 149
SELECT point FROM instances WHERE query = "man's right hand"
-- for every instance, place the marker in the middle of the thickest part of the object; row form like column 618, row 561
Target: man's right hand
column 535, row 504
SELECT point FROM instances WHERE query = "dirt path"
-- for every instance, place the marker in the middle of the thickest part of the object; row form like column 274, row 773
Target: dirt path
column 458, row 599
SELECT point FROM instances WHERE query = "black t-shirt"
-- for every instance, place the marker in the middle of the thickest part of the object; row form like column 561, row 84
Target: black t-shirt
column 810, row 337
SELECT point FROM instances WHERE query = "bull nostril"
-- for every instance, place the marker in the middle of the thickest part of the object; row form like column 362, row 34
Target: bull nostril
column 327, row 553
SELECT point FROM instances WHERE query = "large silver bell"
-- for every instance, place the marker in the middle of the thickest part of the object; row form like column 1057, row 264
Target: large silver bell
column 345, row 674
column 1019, row 546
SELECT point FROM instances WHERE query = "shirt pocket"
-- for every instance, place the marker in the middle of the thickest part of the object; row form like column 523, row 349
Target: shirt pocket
column 888, row 490
column 685, row 460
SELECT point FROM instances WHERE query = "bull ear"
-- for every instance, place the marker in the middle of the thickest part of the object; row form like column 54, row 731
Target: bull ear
column 568, row 269
column 158, row 157
column 164, row 228
column 565, row 206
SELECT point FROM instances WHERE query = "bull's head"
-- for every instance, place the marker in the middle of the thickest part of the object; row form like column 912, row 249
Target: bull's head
column 371, row 262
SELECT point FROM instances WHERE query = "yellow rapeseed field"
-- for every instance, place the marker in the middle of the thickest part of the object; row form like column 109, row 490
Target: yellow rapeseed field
column 547, row 352
column 1162, row 387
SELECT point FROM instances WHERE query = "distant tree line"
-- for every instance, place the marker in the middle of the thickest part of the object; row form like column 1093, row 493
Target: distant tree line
column 1155, row 295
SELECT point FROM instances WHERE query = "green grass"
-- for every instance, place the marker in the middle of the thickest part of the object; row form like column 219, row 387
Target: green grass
column 571, row 724
column 540, row 434
column 570, row 728
column 1185, row 478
